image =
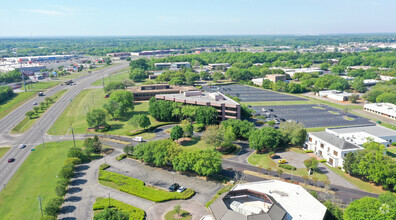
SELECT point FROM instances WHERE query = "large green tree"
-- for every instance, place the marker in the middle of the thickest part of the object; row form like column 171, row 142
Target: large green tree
column 176, row 132
column 293, row 133
column 265, row 138
column 124, row 99
column 96, row 118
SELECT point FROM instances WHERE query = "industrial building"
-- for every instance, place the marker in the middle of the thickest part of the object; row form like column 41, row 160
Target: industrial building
column 218, row 65
column 226, row 107
column 39, row 58
column 146, row 92
column 275, row 77
column 335, row 94
column 291, row 72
column 384, row 109
column 173, row 66
column 270, row 199
column 28, row 69
column 258, row 81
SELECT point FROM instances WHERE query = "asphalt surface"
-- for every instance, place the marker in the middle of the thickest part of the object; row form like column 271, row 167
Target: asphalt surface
column 34, row 136
column 313, row 115
column 251, row 94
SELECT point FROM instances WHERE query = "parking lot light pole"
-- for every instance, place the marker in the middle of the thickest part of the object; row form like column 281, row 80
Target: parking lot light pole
column 173, row 175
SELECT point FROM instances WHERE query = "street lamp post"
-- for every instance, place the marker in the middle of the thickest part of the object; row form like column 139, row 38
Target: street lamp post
column 173, row 175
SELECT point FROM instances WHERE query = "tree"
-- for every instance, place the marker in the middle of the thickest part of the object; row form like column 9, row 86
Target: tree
column 30, row 114
column 213, row 135
column 53, row 207
column 137, row 75
column 336, row 212
column 208, row 162
column 191, row 77
column 135, row 121
column 42, row 105
column 204, row 75
column 265, row 138
column 353, row 98
column 358, row 85
column 111, row 86
column 111, row 214
column 177, row 209
column 124, row 99
column 293, row 133
column 367, row 208
column 229, row 136
column 128, row 83
column 128, row 149
column 111, row 107
column 240, row 128
column 96, row 144
column 311, row 163
column 141, row 63
column 217, row 76
column 144, row 121
column 325, row 66
column 187, row 127
column 96, row 118
column 176, row 132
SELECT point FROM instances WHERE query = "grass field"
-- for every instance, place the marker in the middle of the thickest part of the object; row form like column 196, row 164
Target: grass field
column 195, row 144
column 77, row 110
column 3, row 151
column 366, row 186
column 116, row 77
column 41, row 85
column 391, row 152
column 12, row 104
column 184, row 215
column 36, row 177
column 266, row 162
column 27, row 123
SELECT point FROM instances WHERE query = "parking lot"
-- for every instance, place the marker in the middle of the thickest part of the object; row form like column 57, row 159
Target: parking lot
column 312, row 115
column 251, row 94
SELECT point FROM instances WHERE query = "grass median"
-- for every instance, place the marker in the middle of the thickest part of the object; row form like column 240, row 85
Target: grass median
column 3, row 151
column 103, row 203
column 28, row 122
column 36, row 177
column 116, row 77
column 41, row 85
column 138, row 188
column 17, row 100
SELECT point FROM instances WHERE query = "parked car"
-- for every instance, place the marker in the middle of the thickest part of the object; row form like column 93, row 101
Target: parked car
column 173, row 187
column 11, row 160
column 270, row 109
column 282, row 119
column 281, row 161
column 22, row 146
column 181, row 189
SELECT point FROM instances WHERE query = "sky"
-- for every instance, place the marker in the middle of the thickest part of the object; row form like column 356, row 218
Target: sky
column 29, row 18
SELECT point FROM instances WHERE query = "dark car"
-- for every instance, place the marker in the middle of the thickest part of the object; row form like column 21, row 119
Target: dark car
column 282, row 119
column 11, row 160
column 174, row 187
column 270, row 109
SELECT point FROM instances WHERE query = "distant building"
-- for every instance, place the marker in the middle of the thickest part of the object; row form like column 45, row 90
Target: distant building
column 330, row 147
column 370, row 82
column 226, row 107
column 258, row 81
column 27, row 69
column 275, row 77
column 174, row 66
column 387, row 78
column 218, row 65
column 270, row 200
column 384, row 109
column 146, row 92
column 291, row 72
column 335, row 94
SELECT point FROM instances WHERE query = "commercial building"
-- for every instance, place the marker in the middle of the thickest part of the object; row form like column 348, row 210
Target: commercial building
column 275, row 77
column 146, row 92
column 335, row 94
column 28, row 69
column 173, row 66
column 329, row 146
column 291, row 72
column 226, row 107
column 384, row 109
column 370, row 82
column 258, row 81
column 386, row 78
column 270, row 200
column 218, row 65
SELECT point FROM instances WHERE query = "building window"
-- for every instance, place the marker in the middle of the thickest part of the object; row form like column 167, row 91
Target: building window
column 335, row 153
column 310, row 139
column 322, row 145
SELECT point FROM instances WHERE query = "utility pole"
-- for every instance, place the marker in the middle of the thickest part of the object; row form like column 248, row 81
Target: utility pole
column 42, row 137
column 109, row 199
column 103, row 82
column 74, row 140
column 23, row 78
column 41, row 208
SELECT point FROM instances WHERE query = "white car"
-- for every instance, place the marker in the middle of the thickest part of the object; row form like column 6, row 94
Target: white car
column 22, row 146
column 181, row 189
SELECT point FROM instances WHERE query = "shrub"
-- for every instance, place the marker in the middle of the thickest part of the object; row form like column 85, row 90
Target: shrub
column 48, row 217
column 122, row 156
column 323, row 161
column 226, row 149
column 104, row 166
column 60, row 190
column 394, row 143
column 199, row 127
column 137, row 187
column 309, row 151
column 133, row 212
column 67, row 171
column 287, row 167
column 53, row 207
column 73, row 161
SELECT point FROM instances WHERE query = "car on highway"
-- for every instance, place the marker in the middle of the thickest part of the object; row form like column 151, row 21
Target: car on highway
column 35, row 103
column 282, row 161
column 181, row 189
column 22, row 146
column 11, row 160
column 173, row 187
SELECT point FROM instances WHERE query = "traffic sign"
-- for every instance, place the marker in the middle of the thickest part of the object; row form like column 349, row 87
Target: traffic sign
column 32, row 149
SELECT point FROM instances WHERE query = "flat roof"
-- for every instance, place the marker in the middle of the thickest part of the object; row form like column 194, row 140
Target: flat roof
column 137, row 89
column 334, row 140
column 298, row 203
column 204, row 97
column 375, row 130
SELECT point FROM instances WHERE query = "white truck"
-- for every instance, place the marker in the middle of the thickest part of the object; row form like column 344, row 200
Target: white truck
column 138, row 139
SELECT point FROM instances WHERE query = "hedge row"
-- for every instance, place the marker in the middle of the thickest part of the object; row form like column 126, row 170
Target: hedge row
column 309, row 151
column 6, row 93
column 122, row 156
column 149, row 129
column 287, row 167
column 137, row 187
column 134, row 213
column 104, row 166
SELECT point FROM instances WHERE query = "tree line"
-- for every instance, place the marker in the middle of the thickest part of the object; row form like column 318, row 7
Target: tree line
column 6, row 93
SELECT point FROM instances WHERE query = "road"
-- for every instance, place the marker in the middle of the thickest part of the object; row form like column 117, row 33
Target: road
column 35, row 135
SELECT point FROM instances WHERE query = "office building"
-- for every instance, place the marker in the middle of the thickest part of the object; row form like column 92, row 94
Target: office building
column 384, row 109
column 146, row 92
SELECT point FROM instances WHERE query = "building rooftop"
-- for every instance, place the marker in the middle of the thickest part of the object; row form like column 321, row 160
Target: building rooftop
column 375, row 130
column 334, row 140
column 215, row 97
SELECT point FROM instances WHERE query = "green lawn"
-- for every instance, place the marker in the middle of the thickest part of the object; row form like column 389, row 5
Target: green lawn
column 3, row 151
column 366, row 186
column 391, row 152
column 77, row 110
column 134, row 213
column 184, row 215
column 27, row 123
column 41, row 85
column 195, row 144
column 36, row 177
column 116, row 77
column 12, row 104
column 266, row 162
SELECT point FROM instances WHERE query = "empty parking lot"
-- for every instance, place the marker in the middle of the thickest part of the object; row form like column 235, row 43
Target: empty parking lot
column 313, row 115
column 251, row 94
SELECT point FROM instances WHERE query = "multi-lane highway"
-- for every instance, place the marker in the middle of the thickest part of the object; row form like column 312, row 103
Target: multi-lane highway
column 34, row 136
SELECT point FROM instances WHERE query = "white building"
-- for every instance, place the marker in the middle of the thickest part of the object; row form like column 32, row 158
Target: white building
column 335, row 94
column 258, row 81
column 291, row 72
column 370, row 82
column 330, row 147
column 384, row 109
column 386, row 78
column 173, row 66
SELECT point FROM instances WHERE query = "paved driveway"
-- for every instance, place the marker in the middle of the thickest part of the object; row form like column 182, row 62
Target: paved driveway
column 293, row 158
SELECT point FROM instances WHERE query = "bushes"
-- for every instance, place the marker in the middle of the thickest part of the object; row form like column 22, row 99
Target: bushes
column 323, row 161
column 5, row 93
column 133, row 212
column 199, row 127
column 287, row 167
column 137, row 187
column 104, row 166
column 53, row 207
column 73, row 161
column 227, row 149
column 309, row 151
column 122, row 156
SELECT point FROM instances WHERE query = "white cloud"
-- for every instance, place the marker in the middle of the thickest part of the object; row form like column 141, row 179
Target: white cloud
column 44, row 12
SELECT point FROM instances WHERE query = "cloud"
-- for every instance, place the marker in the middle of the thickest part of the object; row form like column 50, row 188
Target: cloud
column 44, row 12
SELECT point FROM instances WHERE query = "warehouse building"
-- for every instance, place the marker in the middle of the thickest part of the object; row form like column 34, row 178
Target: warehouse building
column 335, row 94
column 384, row 109
column 173, row 66
column 226, row 107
